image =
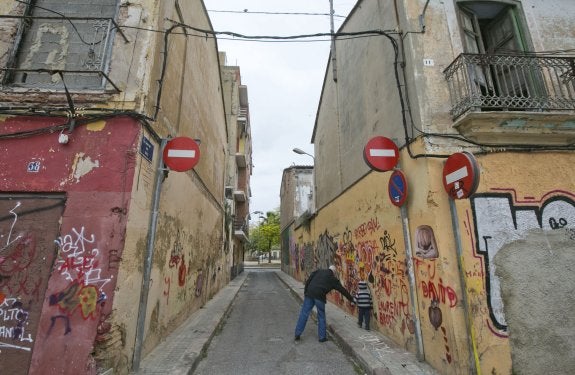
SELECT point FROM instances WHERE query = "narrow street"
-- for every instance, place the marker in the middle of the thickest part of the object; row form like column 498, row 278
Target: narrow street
column 258, row 336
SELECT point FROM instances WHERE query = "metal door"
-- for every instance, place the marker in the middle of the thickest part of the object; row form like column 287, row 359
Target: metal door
column 29, row 224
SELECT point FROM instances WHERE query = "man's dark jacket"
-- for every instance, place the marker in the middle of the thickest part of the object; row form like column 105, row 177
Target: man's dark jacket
column 321, row 282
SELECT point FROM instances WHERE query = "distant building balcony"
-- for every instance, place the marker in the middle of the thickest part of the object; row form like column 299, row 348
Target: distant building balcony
column 241, row 160
column 241, row 230
column 239, row 195
column 513, row 99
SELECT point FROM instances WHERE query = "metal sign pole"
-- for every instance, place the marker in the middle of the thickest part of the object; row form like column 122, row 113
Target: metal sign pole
column 141, row 322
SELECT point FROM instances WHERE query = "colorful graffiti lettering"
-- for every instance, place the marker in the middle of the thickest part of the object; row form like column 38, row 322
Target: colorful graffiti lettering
column 78, row 261
column 501, row 218
column 431, row 288
column 77, row 296
column 326, row 250
column 177, row 254
column 369, row 227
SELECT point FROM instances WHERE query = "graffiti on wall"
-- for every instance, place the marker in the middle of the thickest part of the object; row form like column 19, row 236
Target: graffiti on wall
column 78, row 263
column 177, row 260
column 325, row 253
column 17, row 252
column 426, row 246
column 368, row 252
column 13, row 323
column 501, row 218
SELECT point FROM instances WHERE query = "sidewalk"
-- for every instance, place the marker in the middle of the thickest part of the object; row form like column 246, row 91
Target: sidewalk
column 182, row 351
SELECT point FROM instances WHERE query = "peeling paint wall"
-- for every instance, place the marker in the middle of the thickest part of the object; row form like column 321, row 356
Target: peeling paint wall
column 86, row 243
column 538, row 305
column 90, row 305
column 361, row 232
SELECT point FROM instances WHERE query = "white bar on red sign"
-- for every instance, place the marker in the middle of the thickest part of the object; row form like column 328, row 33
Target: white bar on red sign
column 181, row 153
column 457, row 175
column 382, row 152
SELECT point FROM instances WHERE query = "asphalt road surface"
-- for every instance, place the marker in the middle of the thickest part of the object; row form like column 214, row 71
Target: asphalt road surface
column 257, row 337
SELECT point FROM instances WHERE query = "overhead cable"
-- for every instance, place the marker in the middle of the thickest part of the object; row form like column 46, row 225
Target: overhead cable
column 245, row 11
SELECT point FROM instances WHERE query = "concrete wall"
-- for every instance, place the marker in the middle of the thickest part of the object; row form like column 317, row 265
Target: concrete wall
column 538, row 306
column 191, row 260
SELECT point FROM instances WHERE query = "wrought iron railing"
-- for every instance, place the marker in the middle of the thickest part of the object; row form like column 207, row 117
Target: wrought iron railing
column 482, row 82
column 77, row 48
column 241, row 225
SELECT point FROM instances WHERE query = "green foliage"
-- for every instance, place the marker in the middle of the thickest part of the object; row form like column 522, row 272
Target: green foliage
column 266, row 234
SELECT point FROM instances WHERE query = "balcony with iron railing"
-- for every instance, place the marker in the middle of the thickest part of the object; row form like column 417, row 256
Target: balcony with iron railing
column 241, row 229
column 499, row 99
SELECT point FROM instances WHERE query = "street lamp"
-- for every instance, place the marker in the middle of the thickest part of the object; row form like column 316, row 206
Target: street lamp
column 302, row 152
column 255, row 212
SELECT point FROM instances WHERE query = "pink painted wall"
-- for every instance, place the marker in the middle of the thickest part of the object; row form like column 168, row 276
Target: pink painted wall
column 94, row 172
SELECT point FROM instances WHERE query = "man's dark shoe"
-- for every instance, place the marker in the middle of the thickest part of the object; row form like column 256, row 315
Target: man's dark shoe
column 297, row 338
column 323, row 340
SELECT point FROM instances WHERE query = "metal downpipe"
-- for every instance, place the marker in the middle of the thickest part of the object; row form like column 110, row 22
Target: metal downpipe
column 140, row 325
column 473, row 354
column 412, row 285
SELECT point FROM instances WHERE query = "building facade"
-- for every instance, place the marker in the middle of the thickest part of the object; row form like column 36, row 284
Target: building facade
column 105, row 250
column 240, row 163
column 466, row 276
column 296, row 204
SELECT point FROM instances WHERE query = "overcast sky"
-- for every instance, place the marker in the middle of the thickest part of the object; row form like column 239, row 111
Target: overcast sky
column 284, row 80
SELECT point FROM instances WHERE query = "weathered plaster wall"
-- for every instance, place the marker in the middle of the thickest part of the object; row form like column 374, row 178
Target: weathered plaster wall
column 518, row 192
column 94, row 174
column 191, row 262
column 361, row 232
column 359, row 105
column 537, row 289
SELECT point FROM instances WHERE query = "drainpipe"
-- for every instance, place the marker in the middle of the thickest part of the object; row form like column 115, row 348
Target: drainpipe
column 333, row 57
column 140, row 325
column 412, row 286
column 473, row 354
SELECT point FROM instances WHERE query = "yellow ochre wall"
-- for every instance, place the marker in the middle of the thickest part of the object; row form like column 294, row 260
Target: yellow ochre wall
column 465, row 323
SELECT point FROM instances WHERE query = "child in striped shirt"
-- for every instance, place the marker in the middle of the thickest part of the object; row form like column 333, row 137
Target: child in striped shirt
column 364, row 304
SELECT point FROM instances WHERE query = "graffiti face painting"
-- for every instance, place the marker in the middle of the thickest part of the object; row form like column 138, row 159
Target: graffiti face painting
column 425, row 240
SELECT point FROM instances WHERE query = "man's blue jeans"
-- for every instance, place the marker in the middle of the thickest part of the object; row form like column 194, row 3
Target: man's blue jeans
column 308, row 304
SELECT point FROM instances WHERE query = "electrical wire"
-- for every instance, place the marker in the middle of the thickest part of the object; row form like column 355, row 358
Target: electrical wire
column 273, row 38
column 245, row 11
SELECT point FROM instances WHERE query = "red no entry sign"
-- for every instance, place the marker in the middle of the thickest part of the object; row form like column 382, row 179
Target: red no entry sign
column 181, row 154
column 460, row 175
column 381, row 154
